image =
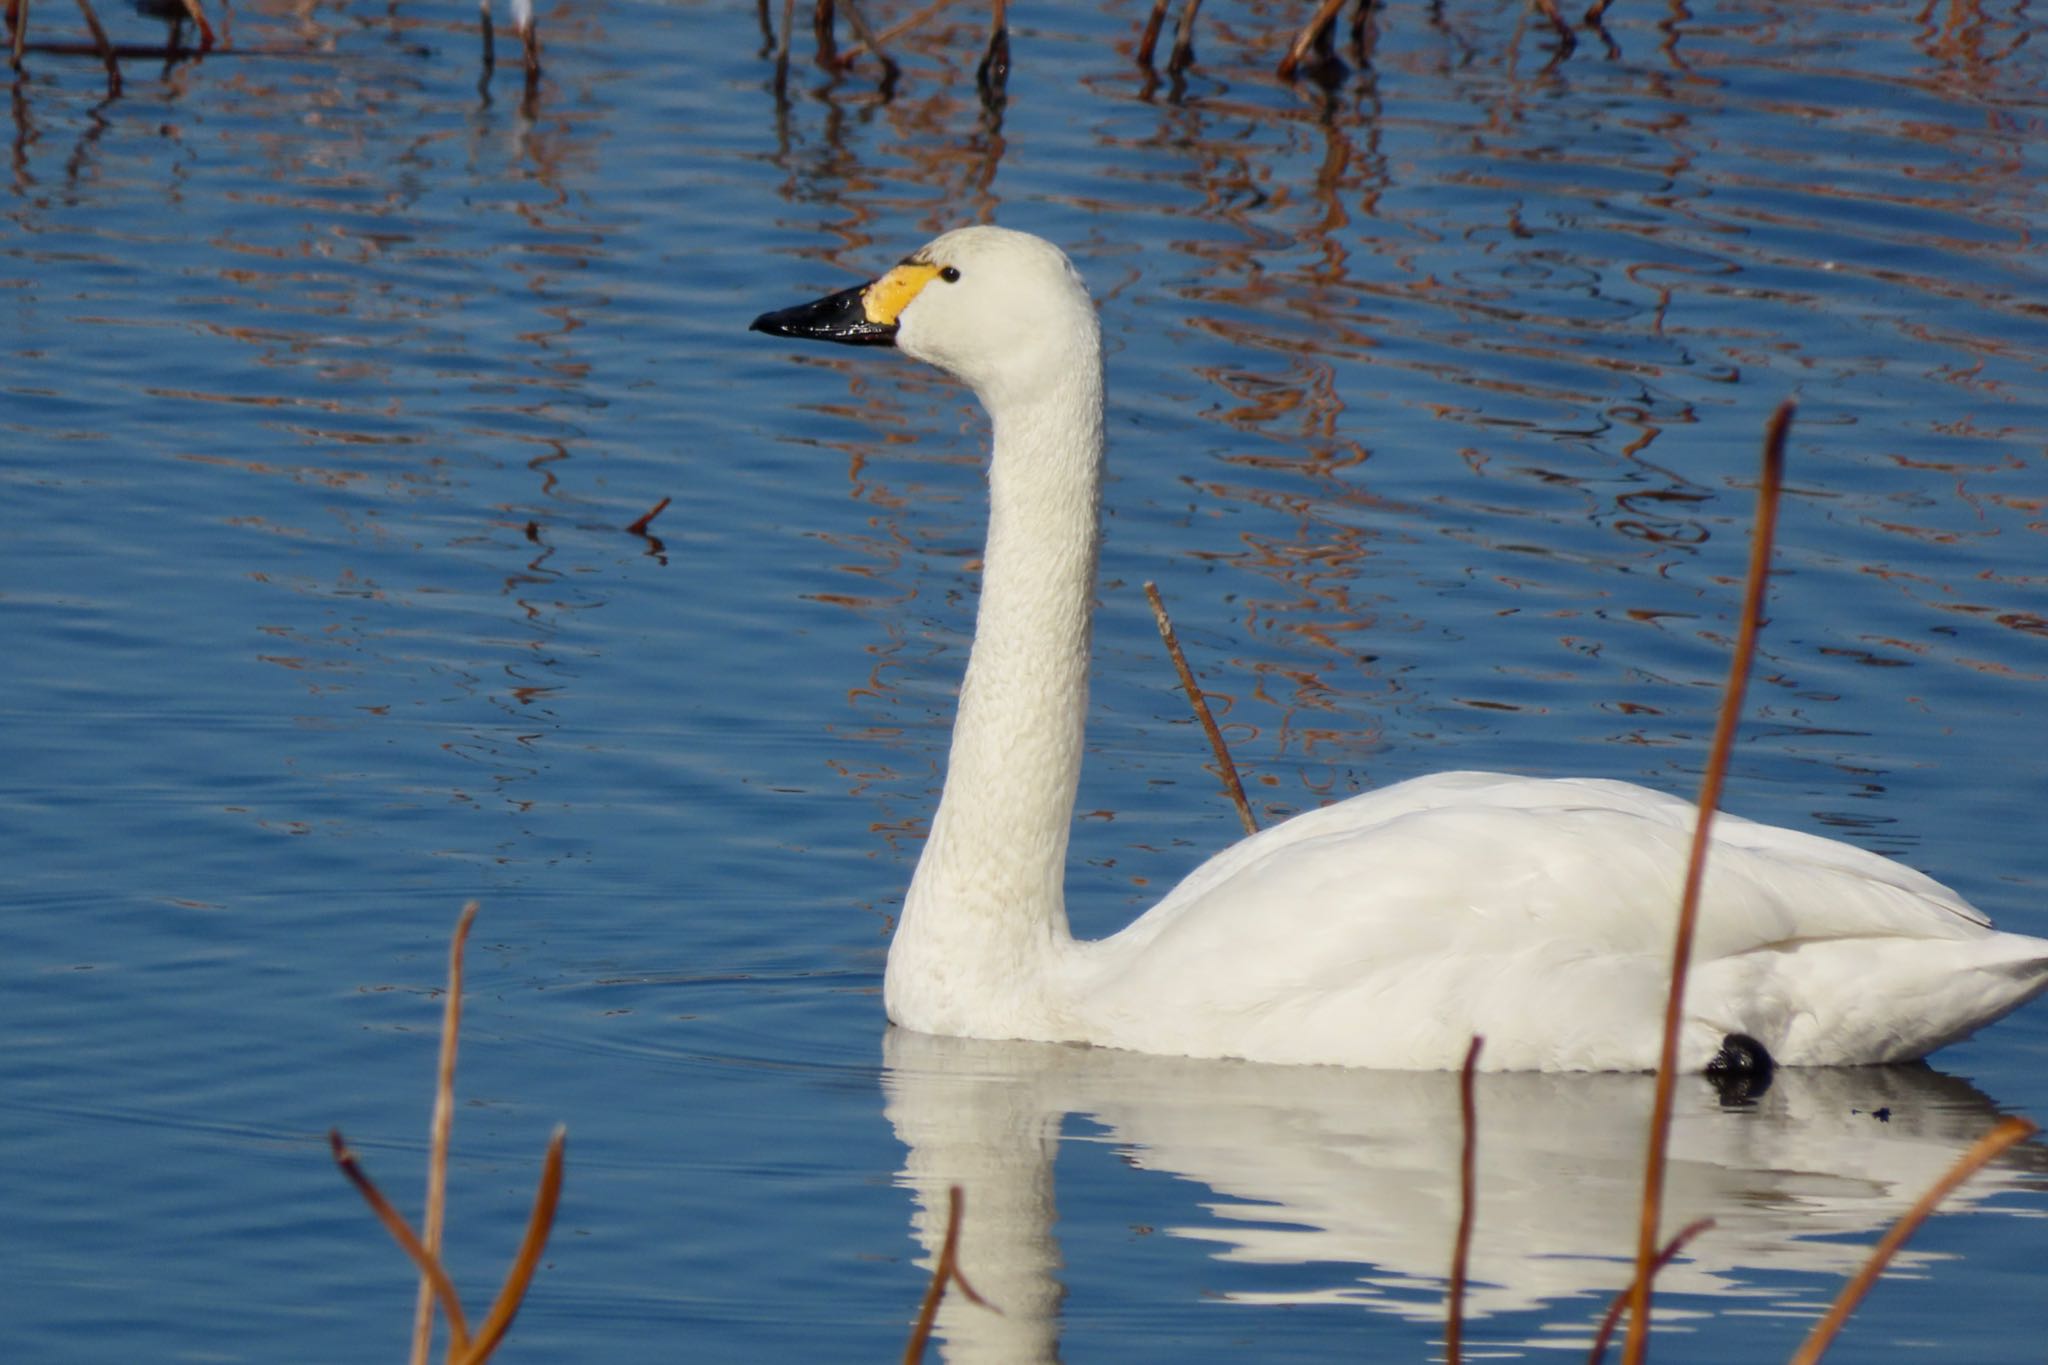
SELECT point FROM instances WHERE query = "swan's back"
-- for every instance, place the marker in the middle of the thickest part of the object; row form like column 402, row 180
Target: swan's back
column 1387, row 929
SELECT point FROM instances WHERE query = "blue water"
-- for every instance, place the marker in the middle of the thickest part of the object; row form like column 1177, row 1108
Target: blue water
column 329, row 385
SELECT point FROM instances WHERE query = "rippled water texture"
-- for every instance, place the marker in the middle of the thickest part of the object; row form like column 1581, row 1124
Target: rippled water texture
column 329, row 383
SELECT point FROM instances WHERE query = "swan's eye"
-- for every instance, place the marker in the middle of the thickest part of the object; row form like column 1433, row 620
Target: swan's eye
column 949, row 274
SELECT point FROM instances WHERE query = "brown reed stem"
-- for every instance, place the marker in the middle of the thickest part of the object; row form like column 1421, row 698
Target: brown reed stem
column 1226, row 768
column 944, row 1271
column 1461, row 1252
column 1311, row 34
column 2010, row 1130
column 439, row 1128
column 546, row 1198
column 1148, row 39
column 1664, row 1258
column 1725, row 726
column 639, row 528
column 782, row 44
column 401, row 1232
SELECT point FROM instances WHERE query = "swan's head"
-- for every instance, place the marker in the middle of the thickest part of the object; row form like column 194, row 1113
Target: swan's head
column 1005, row 311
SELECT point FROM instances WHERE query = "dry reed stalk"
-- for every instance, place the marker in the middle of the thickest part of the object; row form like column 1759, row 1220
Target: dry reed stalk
column 1183, row 52
column 1461, row 1251
column 1148, row 39
column 546, row 1198
column 944, row 1271
column 1227, row 769
column 1306, row 41
column 782, row 45
column 2010, row 1130
column 1725, row 725
column 401, row 1232
column 438, row 1130
column 1664, row 1258
column 462, row 1348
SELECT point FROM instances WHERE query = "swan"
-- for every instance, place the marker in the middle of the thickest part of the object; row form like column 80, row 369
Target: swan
column 1383, row 930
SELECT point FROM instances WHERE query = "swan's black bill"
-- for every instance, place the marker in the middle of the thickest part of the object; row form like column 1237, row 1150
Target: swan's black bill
column 841, row 317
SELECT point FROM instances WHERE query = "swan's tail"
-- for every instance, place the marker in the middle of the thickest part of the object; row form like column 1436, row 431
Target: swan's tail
column 1883, row 999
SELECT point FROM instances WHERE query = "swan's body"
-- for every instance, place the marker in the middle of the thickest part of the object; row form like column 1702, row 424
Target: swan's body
column 1385, row 930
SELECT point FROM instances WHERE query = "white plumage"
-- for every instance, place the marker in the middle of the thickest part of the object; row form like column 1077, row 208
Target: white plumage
column 1387, row 929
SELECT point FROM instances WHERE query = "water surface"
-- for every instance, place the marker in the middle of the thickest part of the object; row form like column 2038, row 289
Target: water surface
column 330, row 383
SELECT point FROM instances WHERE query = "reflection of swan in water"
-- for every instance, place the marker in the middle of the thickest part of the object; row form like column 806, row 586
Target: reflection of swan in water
column 1384, row 930
column 1352, row 1176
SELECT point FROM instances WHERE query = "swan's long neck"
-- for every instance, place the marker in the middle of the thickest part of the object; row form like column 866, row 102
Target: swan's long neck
column 986, row 915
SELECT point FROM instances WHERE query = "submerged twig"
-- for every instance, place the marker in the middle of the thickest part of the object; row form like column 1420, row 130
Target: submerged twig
column 1461, row 1251
column 1725, row 725
column 639, row 528
column 2010, row 1130
column 1226, row 769
column 944, row 1271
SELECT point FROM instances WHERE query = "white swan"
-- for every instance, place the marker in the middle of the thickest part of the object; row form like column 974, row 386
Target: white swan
column 1384, row 930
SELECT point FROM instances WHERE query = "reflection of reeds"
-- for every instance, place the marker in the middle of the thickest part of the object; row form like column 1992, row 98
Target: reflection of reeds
column 103, row 47
column 436, row 1288
column 17, row 13
column 945, row 1271
column 1461, row 1249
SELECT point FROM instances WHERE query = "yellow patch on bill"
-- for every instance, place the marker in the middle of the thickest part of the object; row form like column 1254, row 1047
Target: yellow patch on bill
column 885, row 299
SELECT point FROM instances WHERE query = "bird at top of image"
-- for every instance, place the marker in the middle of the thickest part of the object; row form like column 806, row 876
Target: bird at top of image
column 1385, row 930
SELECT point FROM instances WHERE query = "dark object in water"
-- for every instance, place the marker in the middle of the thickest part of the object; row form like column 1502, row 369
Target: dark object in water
column 1741, row 1070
